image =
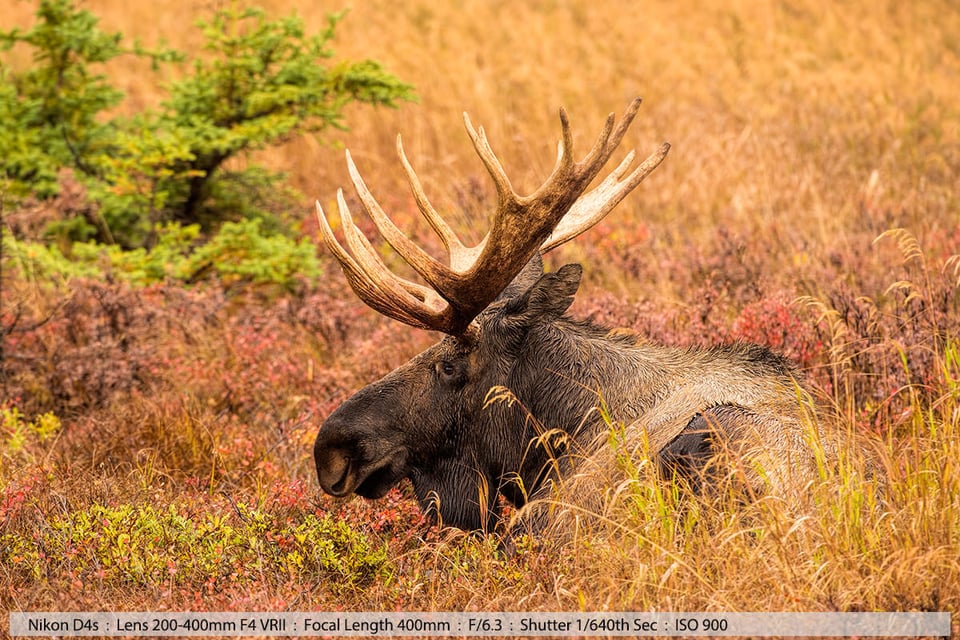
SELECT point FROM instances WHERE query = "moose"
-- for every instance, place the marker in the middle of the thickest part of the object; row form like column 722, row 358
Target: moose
column 437, row 419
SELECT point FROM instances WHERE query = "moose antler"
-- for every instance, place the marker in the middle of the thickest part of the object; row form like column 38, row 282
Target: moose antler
column 555, row 213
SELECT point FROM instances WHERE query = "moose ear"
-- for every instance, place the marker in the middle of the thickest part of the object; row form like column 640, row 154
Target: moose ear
column 549, row 297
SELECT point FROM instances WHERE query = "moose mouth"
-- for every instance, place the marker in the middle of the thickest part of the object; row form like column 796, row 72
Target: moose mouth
column 369, row 480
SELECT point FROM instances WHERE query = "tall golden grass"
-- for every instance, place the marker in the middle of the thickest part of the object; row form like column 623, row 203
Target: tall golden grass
column 804, row 129
column 779, row 112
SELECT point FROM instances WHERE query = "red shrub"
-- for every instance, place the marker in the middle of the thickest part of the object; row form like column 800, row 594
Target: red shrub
column 778, row 323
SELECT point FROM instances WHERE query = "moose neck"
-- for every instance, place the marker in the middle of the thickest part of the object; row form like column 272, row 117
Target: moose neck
column 565, row 371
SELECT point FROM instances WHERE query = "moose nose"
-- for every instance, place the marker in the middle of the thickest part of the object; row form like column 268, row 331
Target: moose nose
column 333, row 471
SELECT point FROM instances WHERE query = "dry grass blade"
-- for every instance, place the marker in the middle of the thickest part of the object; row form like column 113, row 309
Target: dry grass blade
column 907, row 243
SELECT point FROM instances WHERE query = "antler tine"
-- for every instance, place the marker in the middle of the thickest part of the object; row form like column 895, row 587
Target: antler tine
column 436, row 274
column 363, row 253
column 439, row 225
column 505, row 190
column 602, row 148
column 592, row 207
column 566, row 142
column 376, row 285
column 625, row 122
column 590, row 166
column 461, row 256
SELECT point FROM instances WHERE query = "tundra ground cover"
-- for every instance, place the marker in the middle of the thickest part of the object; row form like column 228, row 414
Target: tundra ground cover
column 155, row 439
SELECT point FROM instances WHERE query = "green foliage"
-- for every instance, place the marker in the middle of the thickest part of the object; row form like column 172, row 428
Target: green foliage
column 16, row 432
column 135, row 191
column 25, row 151
column 259, row 83
column 144, row 545
column 263, row 84
column 238, row 253
column 140, row 266
column 38, row 262
column 53, row 106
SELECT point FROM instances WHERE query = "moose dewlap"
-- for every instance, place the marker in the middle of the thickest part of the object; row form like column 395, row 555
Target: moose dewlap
column 432, row 420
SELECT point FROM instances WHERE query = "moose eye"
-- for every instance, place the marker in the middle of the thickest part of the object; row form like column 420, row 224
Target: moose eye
column 447, row 368
column 448, row 372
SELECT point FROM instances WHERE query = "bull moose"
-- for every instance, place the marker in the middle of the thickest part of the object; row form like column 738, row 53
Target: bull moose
column 434, row 420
